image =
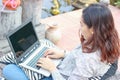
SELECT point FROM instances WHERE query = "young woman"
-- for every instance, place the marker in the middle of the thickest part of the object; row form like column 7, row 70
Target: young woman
column 99, row 49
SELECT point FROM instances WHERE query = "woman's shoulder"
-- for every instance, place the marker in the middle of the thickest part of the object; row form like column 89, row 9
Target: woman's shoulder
column 77, row 52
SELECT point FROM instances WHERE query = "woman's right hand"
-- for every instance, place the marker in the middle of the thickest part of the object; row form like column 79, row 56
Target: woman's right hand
column 54, row 53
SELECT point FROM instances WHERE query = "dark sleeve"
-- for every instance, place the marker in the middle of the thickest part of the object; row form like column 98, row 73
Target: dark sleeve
column 111, row 71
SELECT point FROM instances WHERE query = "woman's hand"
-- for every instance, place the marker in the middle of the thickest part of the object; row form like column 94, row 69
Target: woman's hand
column 46, row 63
column 54, row 53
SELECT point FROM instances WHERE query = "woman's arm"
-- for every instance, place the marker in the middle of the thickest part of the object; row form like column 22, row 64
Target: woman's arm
column 54, row 53
column 56, row 75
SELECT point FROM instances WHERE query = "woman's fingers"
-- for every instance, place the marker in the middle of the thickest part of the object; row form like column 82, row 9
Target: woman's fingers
column 40, row 62
column 39, row 65
column 48, row 52
column 51, row 56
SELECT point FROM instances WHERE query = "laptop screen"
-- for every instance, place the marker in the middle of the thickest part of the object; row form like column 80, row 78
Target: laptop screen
column 23, row 39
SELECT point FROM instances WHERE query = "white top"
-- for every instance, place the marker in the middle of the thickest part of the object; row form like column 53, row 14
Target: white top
column 80, row 66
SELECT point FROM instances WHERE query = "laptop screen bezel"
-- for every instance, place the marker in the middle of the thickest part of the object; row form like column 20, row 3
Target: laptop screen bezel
column 21, row 57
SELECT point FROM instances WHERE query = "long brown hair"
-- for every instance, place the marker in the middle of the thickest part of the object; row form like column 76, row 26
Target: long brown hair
column 105, row 38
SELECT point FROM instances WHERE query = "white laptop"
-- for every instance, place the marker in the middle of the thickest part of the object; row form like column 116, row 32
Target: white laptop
column 26, row 47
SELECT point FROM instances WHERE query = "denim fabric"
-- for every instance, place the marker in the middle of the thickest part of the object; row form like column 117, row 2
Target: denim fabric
column 47, row 78
column 13, row 72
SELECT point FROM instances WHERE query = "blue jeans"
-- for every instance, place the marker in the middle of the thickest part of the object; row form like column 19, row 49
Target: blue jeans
column 14, row 72
column 47, row 78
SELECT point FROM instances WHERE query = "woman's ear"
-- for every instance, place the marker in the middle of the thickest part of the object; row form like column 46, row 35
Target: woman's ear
column 91, row 30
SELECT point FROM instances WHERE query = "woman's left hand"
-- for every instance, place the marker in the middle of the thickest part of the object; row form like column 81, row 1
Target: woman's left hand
column 47, row 64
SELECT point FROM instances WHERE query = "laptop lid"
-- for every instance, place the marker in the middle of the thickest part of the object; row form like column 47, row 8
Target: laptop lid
column 23, row 40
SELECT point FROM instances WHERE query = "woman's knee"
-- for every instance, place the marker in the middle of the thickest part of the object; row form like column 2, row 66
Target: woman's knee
column 14, row 72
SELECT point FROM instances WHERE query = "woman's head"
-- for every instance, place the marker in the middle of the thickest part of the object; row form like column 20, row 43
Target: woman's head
column 97, row 28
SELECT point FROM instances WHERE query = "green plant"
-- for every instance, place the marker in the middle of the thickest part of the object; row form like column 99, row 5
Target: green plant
column 112, row 2
column 97, row 0
column 117, row 3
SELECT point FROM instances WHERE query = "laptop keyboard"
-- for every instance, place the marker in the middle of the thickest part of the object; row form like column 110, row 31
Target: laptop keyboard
column 33, row 61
